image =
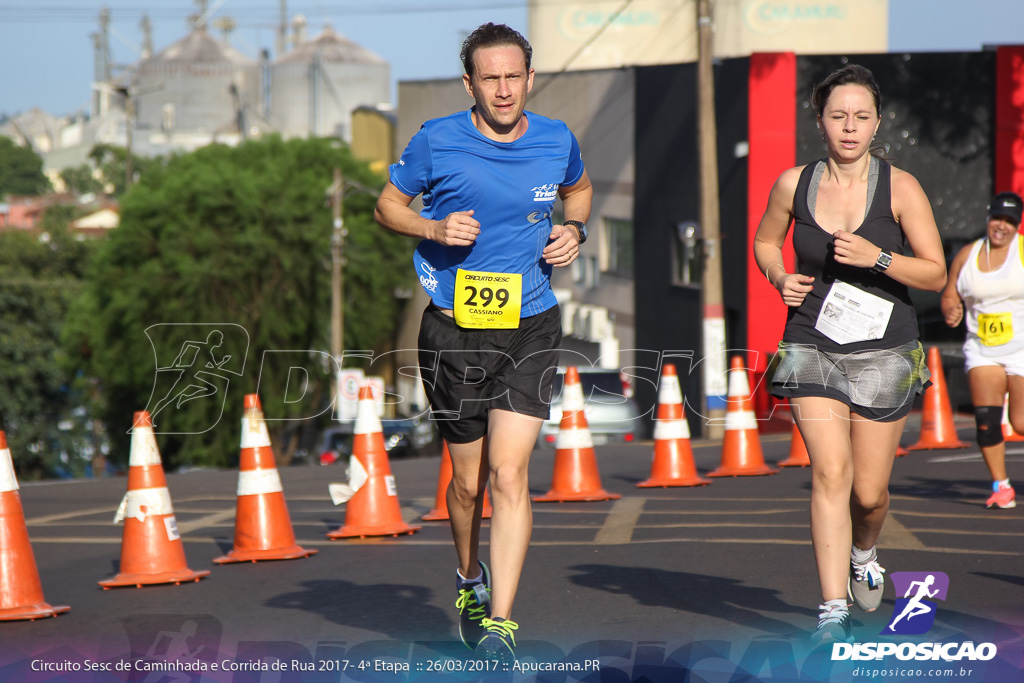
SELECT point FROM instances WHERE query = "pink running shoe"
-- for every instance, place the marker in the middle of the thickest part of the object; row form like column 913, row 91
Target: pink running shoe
column 1004, row 498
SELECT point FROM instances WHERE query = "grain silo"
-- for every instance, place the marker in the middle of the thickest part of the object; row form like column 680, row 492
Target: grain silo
column 196, row 91
column 317, row 85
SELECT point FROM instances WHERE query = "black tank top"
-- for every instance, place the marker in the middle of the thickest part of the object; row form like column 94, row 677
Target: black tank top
column 815, row 256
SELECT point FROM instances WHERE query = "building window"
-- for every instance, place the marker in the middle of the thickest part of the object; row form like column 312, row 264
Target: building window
column 619, row 236
column 687, row 255
column 586, row 271
column 593, row 272
column 579, row 270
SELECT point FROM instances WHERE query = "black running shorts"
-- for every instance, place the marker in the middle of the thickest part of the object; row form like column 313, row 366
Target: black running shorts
column 469, row 372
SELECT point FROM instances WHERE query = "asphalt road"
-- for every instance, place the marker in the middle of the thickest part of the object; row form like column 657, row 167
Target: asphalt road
column 713, row 583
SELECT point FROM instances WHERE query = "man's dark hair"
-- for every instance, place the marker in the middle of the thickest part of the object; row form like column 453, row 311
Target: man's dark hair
column 493, row 35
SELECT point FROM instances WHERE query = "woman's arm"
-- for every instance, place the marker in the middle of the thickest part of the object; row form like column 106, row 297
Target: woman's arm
column 952, row 304
column 926, row 269
column 771, row 235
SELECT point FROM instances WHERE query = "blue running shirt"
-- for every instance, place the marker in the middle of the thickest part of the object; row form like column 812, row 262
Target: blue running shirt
column 510, row 186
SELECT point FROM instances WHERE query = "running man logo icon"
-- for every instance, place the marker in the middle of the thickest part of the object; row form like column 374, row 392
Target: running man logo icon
column 172, row 647
column 193, row 361
column 914, row 613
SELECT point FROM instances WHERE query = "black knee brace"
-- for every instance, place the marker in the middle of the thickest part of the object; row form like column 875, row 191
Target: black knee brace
column 989, row 420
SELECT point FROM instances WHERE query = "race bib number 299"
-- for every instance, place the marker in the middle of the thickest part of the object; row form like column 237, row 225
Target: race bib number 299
column 488, row 300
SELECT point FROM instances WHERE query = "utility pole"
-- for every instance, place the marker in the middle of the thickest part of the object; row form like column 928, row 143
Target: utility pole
column 282, row 30
column 147, row 36
column 130, row 93
column 129, row 123
column 715, row 387
column 337, row 191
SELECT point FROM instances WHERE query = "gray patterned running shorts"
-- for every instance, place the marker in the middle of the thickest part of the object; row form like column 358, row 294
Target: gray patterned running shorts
column 878, row 385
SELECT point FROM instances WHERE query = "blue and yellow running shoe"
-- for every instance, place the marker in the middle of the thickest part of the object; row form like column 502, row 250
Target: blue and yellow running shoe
column 474, row 603
column 499, row 640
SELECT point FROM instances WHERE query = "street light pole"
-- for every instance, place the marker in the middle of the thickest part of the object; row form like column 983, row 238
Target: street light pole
column 129, row 117
column 715, row 389
column 337, row 191
column 337, row 261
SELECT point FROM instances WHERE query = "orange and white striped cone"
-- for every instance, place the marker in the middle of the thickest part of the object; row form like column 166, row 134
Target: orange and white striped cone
column 444, row 478
column 673, row 463
column 798, row 455
column 575, row 477
column 21, row 593
column 741, row 447
column 151, row 547
column 937, row 428
column 371, row 497
column 263, row 528
column 1008, row 433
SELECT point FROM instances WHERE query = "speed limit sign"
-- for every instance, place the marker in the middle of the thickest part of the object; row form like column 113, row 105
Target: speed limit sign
column 349, row 382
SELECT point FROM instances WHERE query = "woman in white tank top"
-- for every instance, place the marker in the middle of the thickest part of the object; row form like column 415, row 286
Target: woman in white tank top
column 985, row 288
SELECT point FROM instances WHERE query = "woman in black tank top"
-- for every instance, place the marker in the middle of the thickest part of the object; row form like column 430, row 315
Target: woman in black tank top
column 849, row 361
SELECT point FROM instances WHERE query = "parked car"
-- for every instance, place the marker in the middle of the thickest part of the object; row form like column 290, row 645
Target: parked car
column 406, row 437
column 611, row 412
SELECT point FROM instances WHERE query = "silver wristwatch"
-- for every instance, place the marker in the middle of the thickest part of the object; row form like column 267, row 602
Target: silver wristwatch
column 883, row 261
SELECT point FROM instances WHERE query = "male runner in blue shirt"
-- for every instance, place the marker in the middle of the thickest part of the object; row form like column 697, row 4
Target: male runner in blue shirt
column 488, row 343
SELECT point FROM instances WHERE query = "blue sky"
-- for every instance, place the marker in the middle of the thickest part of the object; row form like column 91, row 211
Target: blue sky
column 46, row 56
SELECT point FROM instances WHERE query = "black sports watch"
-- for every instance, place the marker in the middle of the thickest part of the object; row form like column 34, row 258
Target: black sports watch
column 581, row 229
column 883, row 262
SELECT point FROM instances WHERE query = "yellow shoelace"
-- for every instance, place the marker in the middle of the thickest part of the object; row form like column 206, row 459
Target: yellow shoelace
column 467, row 600
column 504, row 628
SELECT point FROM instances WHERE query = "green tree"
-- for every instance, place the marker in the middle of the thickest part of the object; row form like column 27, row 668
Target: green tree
column 80, row 179
column 21, row 170
column 232, row 239
column 39, row 278
column 112, row 161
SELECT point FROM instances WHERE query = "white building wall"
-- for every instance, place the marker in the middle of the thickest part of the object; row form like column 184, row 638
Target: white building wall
column 592, row 34
column 303, row 104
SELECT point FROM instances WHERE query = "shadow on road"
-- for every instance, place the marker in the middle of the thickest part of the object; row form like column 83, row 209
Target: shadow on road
column 397, row 611
column 714, row 596
column 1014, row 580
column 960, row 492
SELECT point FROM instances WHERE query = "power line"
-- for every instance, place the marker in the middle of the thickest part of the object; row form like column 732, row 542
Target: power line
column 262, row 13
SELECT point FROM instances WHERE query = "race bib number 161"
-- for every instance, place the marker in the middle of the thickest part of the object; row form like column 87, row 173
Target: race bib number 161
column 995, row 329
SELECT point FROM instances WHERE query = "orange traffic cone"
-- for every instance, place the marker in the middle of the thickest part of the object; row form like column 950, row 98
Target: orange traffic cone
column 937, row 429
column 575, row 477
column 151, row 548
column 1008, row 433
column 21, row 593
column 901, row 451
column 372, row 499
column 263, row 529
column 798, row 455
column 741, row 448
column 444, row 477
column 673, row 457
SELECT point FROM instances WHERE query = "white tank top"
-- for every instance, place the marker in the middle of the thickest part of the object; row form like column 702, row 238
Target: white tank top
column 994, row 301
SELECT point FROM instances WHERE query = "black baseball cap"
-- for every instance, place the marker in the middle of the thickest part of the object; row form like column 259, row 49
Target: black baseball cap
column 1008, row 204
